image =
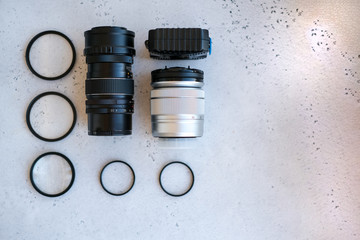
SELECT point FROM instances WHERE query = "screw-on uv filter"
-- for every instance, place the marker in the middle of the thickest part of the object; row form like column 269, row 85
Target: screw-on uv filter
column 51, row 116
column 176, row 178
column 52, row 174
column 117, row 178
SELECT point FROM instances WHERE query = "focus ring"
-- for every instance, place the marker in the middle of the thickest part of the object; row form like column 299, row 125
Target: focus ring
column 110, row 101
column 109, row 58
column 109, row 50
column 125, row 86
column 177, row 106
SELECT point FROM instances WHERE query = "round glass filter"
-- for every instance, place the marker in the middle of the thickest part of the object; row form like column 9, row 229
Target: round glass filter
column 52, row 174
column 176, row 179
column 51, row 116
column 50, row 55
column 117, row 178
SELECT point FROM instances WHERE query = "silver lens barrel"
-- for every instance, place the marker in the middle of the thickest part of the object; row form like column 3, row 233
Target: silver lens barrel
column 177, row 103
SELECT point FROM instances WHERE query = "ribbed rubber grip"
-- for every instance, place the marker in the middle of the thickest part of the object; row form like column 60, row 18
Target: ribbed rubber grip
column 179, row 39
column 178, row 43
column 121, row 86
column 109, row 50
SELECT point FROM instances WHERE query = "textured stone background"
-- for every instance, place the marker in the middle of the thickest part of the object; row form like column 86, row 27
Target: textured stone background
column 279, row 158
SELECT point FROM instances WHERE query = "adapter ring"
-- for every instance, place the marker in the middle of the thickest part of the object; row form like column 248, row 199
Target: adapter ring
column 112, row 193
column 28, row 111
column 180, row 194
column 32, row 174
column 28, row 49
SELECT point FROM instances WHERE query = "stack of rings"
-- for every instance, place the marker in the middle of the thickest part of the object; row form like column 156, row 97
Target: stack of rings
column 28, row 62
column 160, row 181
column 101, row 177
column 28, row 111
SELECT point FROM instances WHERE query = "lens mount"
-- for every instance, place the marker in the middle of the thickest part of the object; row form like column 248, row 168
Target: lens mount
column 109, row 40
column 177, row 74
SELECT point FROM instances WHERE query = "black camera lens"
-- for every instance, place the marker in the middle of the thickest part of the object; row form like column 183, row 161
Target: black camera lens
column 109, row 84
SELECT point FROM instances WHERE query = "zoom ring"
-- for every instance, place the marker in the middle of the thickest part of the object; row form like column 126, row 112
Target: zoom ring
column 96, row 86
column 109, row 50
column 109, row 58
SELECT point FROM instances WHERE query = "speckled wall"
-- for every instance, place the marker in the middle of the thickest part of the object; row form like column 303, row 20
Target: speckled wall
column 279, row 157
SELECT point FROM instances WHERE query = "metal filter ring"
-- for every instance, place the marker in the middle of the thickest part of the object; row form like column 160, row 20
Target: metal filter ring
column 28, row 111
column 191, row 185
column 112, row 193
column 32, row 175
column 27, row 55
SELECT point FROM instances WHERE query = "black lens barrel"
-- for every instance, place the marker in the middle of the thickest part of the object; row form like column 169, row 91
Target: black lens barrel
column 109, row 85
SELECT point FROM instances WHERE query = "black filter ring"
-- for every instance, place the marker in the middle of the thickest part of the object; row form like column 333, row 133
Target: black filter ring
column 27, row 55
column 181, row 194
column 103, row 186
column 28, row 111
column 32, row 177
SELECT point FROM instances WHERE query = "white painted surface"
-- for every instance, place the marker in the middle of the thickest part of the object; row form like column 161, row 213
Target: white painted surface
column 279, row 158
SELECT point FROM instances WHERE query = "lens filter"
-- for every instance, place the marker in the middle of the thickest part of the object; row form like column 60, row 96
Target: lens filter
column 176, row 179
column 52, row 174
column 117, row 178
column 51, row 116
